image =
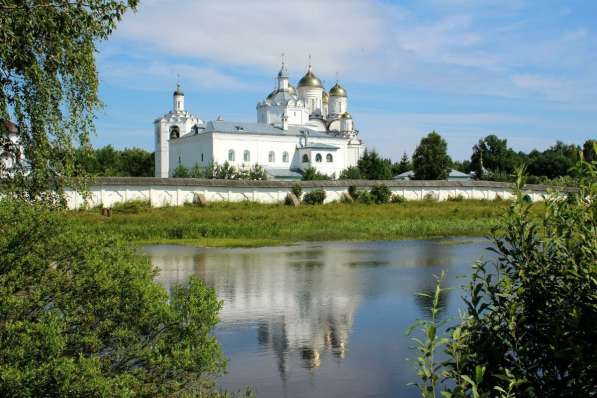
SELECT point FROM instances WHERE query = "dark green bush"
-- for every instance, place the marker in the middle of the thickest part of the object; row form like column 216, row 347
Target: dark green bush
column 381, row 194
column 365, row 197
column 396, row 198
column 352, row 191
column 297, row 190
column 315, row 197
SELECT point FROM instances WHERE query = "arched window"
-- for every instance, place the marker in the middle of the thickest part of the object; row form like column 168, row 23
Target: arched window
column 174, row 132
column 247, row 156
column 318, row 157
column 329, row 158
column 271, row 157
column 285, row 157
column 231, row 155
column 305, row 158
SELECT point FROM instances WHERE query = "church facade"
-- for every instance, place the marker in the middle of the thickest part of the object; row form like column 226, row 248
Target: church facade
column 296, row 128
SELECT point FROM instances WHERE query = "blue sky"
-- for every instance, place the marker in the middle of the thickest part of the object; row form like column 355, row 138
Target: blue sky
column 524, row 70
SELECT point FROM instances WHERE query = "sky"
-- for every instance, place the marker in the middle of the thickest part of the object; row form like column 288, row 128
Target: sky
column 523, row 70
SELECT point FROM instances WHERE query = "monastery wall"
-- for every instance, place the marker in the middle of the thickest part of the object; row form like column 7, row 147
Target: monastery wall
column 107, row 191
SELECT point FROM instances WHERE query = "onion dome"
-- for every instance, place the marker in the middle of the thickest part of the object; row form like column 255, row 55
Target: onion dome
column 325, row 98
column 310, row 80
column 338, row 91
column 178, row 90
column 346, row 115
column 291, row 89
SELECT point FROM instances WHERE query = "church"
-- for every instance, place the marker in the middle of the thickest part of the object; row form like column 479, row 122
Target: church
column 297, row 128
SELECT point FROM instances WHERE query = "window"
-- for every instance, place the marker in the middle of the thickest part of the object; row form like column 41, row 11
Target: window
column 231, row 155
column 174, row 132
column 202, row 157
column 318, row 157
column 305, row 158
column 285, row 157
column 329, row 158
column 247, row 156
column 271, row 157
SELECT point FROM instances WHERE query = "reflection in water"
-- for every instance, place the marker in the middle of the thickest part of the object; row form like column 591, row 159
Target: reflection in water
column 335, row 310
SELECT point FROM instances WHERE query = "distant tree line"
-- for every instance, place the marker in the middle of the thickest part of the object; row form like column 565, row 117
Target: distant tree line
column 110, row 162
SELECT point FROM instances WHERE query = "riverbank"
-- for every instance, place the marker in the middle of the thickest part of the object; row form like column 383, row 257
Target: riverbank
column 251, row 224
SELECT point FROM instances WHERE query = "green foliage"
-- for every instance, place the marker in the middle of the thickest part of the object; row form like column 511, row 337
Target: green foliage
column 225, row 171
column 589, row 152
column 456, row 198
column 107, row 161
column 311, row 174
column 381, row 194
column 492, row 155
column 82, row 316
column 352, row 191
column 351, row 173
column 297, row 190
column 554, row 162
column 315, row 197
column 431, row 160
column 403, row 166
column 373, row 167
column 396, row 198
column 48, row 84
column 530, row 328
column 132, row 207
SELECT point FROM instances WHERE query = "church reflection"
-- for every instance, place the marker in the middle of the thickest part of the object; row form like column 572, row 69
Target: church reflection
column 301, row 302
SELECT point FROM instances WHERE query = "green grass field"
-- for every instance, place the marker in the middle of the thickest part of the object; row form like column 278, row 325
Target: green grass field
column 251, row 224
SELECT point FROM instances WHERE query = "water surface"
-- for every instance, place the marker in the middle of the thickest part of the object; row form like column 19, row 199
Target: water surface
column 322, row 319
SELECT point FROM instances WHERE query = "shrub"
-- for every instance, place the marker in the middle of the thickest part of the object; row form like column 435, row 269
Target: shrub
column 396, row 198
column 315, row 197
column 351, row 173
column 352, row 191
column 456, row 198
column 312, row 174
column 365, row 197
column 530, row 328
column 430, row 196
column 381, row 194
column 181, row 172
column 297, row 190
column 131, row 207
column 82, row 315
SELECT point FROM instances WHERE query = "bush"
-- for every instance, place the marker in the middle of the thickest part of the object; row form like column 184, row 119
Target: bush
column 297, row 190
column 457, row 198
column 430, row 196
column 312, row 174
column 381, row 194
column 351, row 173
column 181, row 172
column 365, row 197
column 352, row 191
column 315, row 197
column 131, row 207
column 396, row 198
column 82, row 315
column 530, row 329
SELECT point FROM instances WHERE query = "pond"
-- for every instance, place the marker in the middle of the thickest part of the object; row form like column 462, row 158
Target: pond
column 323, row 319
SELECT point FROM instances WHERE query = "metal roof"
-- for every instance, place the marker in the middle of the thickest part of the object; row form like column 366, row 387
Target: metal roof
column 317, row 145
column 261, row 128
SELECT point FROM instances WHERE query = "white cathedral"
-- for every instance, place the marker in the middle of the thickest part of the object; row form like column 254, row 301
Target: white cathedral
column 297, row 128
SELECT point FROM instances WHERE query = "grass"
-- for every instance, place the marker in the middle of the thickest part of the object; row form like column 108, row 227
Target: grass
column 248, row 224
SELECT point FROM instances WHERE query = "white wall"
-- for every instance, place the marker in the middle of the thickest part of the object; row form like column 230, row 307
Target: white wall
column 166, row 192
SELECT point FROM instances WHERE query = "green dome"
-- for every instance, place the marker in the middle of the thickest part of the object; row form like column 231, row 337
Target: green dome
column 338, row 91
column 346, row 115
column 310, row 80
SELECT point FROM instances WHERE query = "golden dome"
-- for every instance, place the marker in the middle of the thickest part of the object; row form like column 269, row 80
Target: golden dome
column 338, row 91
column 310, row 80
column 291, row 89
column 325, row 97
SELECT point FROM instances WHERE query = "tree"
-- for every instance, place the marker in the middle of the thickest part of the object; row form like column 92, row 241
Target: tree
column 82, row 315
column 48, row 84
column 373, row 167
column 556, row 161
column 312, row 174
column 588, row 150
column 431, row 160
column 530, row 329
column 492, row 154
column 403, row 166
column 350, row 173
